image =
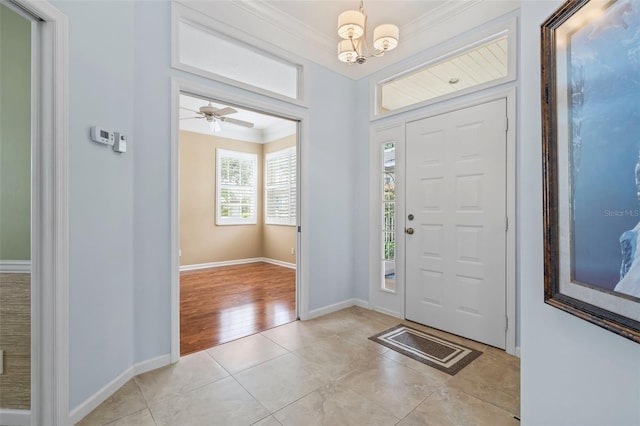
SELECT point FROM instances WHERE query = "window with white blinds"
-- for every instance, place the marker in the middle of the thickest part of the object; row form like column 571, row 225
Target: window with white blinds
column 280, row 187
column 236, row 187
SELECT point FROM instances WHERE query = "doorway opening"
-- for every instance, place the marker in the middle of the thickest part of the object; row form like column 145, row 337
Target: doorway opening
column 238, row 216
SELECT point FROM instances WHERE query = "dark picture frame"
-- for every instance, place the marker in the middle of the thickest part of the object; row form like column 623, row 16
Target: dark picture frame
column 590, row 200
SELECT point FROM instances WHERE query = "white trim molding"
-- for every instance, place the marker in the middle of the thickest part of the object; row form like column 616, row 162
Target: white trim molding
column 15, row 266
column 337, row 307
column 50, row 218
column 198, row 266
column 90, row 404
column 112, row 387
column 279, row 263
column 151, row 364
column 10, row 417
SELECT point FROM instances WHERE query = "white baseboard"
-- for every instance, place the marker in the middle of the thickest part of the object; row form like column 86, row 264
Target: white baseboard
column 218, row 264
column 361, row 303
column 389, row 312
column 236, row 262
column 151, row 364
column 99, row 397
column 15, row 266
column 10, row 417
column 331, row 308
column 279, row 263
column 112, row 387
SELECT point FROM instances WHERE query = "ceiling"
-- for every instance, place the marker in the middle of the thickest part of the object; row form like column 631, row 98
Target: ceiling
column 266, row 128
column 307, row 28
column 322, row 15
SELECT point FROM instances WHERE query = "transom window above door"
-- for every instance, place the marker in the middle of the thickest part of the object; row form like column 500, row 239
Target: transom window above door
column 485, row 61
column 200, row 48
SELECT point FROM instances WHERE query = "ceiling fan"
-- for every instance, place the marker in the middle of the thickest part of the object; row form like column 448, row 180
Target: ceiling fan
column 216, row 115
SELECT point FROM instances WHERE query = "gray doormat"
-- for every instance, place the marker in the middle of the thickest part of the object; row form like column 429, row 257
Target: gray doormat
column 429, row 349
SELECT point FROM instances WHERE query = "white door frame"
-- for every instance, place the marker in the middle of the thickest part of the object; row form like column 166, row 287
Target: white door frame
column 50, row 218
column 509, row 94
column 302, row 251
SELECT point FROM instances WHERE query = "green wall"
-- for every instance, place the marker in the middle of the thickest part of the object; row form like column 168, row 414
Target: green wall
column 15, row 136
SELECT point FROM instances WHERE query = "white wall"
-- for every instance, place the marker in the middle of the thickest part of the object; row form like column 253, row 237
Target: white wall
column 152, row 142
column 573, row 373
column 361, row 211
column 331, row 188
column 100, row 195
column 120, row 78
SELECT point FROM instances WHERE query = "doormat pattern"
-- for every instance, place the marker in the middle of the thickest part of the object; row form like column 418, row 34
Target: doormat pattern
column 424, row 347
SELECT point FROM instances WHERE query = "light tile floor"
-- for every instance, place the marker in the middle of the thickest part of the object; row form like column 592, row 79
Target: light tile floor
column 319, row 372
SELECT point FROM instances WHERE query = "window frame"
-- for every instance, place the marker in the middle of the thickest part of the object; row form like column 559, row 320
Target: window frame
column 240, row 155
column 285, row 152
column 181, row 14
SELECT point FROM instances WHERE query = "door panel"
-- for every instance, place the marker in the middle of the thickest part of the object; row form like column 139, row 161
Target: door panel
column 456, row 189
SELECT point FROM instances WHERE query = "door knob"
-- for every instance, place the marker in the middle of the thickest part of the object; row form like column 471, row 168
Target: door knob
column 409, row 231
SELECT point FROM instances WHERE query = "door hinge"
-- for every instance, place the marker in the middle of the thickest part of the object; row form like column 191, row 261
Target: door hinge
column 506, row 323
column 298, row 228
column 506, row 223
column 506, row 124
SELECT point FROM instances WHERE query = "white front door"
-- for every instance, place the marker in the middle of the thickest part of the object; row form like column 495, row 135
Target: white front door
column 456, row 192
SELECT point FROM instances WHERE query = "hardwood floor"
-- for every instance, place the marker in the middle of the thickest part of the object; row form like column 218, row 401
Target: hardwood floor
column 221, row 304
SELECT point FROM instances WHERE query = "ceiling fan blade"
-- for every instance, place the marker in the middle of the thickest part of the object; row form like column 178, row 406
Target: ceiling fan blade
column 237, row 122
column 225, row 111
column 192, row 110
column 189, row 118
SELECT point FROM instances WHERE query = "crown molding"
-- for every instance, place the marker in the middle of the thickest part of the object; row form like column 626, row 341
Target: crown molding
column 288, row 23
column 440, row 14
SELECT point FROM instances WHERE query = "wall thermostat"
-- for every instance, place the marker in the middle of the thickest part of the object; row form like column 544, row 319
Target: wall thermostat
column 120, row 144
column 100, row 135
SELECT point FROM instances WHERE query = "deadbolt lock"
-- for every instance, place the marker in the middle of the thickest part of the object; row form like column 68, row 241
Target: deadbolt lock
column 410, row 217
column 409, row 231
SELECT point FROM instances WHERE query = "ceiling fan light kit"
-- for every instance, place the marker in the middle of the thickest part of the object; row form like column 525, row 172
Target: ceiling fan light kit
column 352, row 28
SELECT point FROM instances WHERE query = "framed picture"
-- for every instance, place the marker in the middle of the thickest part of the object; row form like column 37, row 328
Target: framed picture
column 591, row 159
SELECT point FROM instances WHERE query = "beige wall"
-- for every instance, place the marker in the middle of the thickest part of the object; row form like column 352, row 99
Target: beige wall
column 201, row 240
column 15, row 340
column 278, row 240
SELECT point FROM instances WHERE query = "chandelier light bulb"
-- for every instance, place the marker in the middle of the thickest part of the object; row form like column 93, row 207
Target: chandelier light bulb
column 346, row 53
column 351, row 24
column 385, row 37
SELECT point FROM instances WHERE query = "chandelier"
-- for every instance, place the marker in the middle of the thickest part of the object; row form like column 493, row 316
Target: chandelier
column 352, row 28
